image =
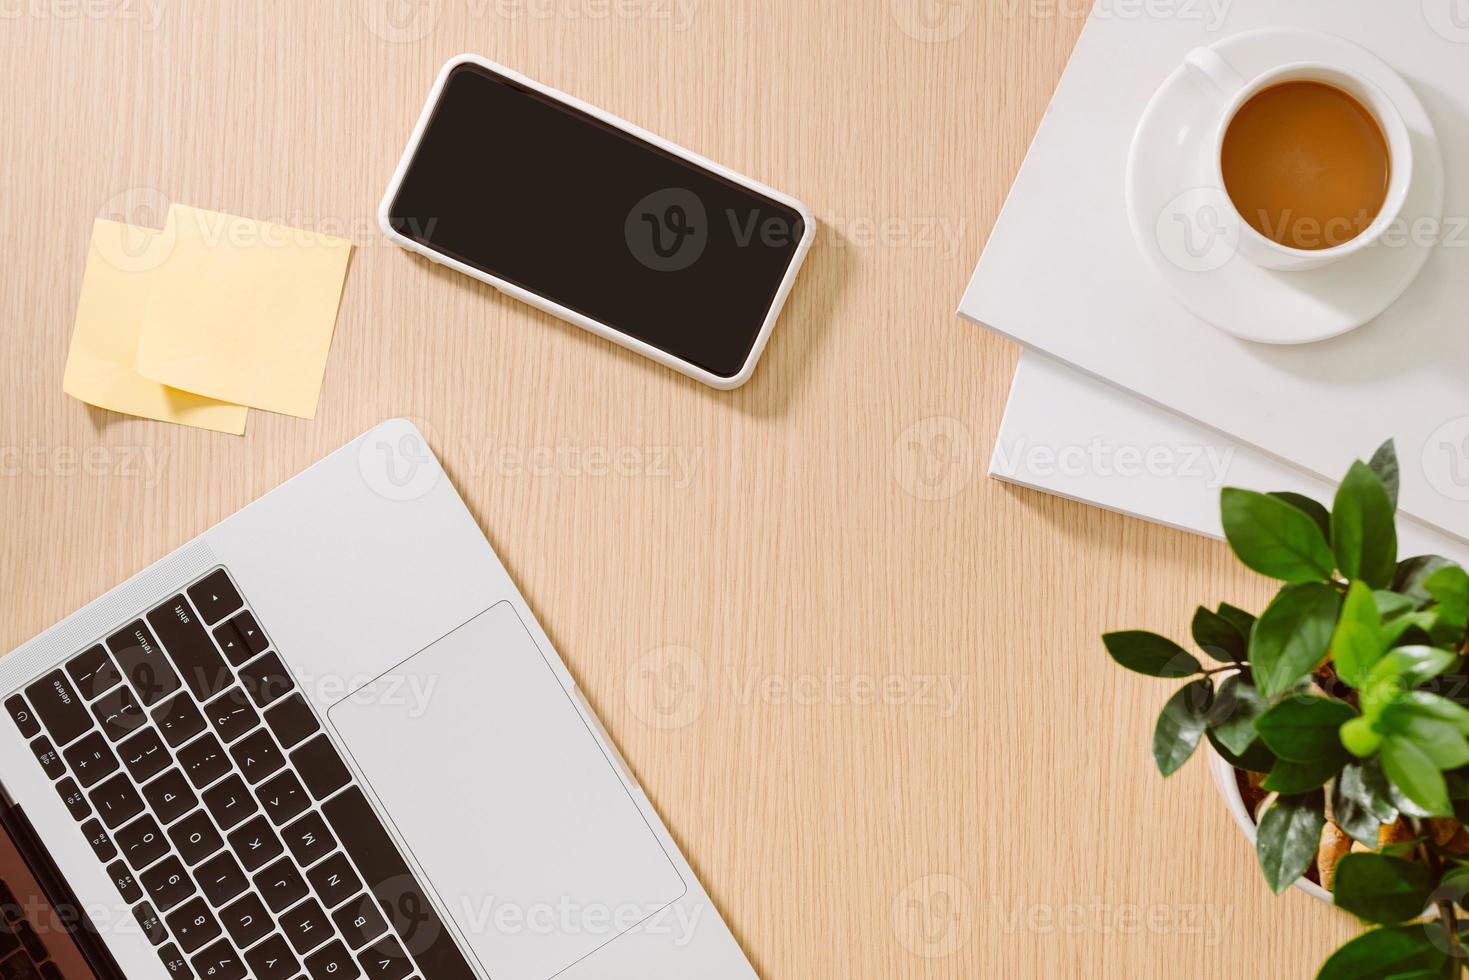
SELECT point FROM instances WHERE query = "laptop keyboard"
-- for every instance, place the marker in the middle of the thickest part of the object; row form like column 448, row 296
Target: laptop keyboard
column 23, row 956
column 225, row 817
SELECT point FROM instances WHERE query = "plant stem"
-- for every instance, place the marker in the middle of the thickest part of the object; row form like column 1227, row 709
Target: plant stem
column 1445, row 906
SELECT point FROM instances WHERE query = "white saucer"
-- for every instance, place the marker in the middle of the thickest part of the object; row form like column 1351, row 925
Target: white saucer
column 1186, row 226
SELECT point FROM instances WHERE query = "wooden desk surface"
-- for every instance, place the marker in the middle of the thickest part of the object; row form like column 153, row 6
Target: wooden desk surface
column 861, row 682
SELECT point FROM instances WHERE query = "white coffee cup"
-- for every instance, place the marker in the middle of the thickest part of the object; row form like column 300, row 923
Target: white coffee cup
column 1231, row 91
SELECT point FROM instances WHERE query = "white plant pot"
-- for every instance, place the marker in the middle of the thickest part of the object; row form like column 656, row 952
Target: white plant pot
column 1223, row 774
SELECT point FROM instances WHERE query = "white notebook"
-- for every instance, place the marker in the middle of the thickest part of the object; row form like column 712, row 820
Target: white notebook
column 1062, row 274
column 1075, row 436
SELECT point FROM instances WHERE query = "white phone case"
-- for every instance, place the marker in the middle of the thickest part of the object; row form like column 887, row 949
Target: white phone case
column 571, row 316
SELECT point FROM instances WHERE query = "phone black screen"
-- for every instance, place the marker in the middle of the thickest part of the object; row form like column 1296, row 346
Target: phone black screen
column 538, row 193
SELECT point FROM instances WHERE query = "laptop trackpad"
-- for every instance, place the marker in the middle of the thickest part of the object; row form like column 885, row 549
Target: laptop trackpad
column 509, row 804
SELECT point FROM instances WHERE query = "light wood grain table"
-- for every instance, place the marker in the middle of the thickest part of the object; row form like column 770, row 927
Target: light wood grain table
column 861, row 682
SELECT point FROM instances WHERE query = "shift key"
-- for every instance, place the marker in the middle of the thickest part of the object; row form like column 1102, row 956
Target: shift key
column 187, row 642
column 59, row 707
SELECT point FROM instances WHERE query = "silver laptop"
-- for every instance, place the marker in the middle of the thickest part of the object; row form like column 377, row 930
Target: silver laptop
column 328, row 739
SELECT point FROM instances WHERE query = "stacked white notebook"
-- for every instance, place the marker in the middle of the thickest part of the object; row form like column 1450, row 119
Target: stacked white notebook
column 1125, row 399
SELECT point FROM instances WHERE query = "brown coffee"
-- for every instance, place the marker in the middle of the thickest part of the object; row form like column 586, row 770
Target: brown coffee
column 1306, row 164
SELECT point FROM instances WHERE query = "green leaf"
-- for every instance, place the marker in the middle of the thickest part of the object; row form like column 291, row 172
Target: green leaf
column 1309, row 507
column 1450, row 586
column 1256, row 758
column 1293, row 635
column 1238, row 618
column 1410, row 629
column 1357, row 643
column 1411, row 572
column 1274, row 538
column 1361, row 737
column 1360, row 801
column 1363, row 533
column 1181, row 724
column 1232, row 718
column 1390, row 605
column 1151, row 654
column 1381, row 889
column 1435, row 706
column 1384, row 953
column 1304, row 728
column 1441, row 741
column 1384, row 463
column 1454, row 885
column 1289, row 778
column 1217, row 636
column 1409, row 666
column 1410, row 769
column 1287, row 838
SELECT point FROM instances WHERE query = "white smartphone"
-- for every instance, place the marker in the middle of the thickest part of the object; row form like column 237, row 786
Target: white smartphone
column 596, row 221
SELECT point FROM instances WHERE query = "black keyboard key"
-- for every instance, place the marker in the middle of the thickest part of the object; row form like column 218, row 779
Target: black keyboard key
column 195, row 837
column 281, row 885
column 332, row 962
column 179, row 720
column 75, row 800
column 231, row 714
column 272, row 960
column 59, row 707
column 93, row 672
column 230, row 802
column 306, row 926
column 174, row 962
column 34, row 948
column 215, row 597
column 308, row 839
column 127, row 885
column 119, row 713
column 388, row 877
column 247, row 921
column 360, row 921
column 91, row 759
column 190, row 647
column 283, row 797
column 117, row 801
column 320, row 767
column 255, row 843
column 170, row 796
column 221, row 878
column 144, row 755
column 143, row 663
column 257, row 756
column 334, row 880
column 204, row 761
column 291, row 720
column 167, row 883
column 142, row 842
column 385, row 960
column 152, row 926
column 48, row 757
column 20, row 713
column 97, row 838
column 219, row 962
column 240, row 639
column 193, row 925
column 266, row 679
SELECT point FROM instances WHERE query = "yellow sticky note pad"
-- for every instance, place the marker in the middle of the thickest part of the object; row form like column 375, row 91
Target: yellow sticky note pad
column 122, row 264
column 243, row 310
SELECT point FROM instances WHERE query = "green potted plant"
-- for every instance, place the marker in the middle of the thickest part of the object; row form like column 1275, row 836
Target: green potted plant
column 1338, row 717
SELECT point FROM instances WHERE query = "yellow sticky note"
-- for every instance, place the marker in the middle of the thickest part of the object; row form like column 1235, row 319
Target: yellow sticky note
column 122, row 263
column 243, row 310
